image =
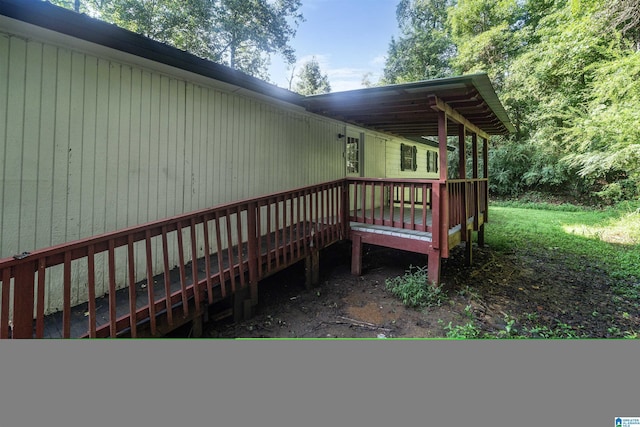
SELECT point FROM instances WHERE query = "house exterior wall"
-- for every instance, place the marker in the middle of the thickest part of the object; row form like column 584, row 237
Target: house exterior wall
column 89, row 144
column 94, row 140
column 393, row 169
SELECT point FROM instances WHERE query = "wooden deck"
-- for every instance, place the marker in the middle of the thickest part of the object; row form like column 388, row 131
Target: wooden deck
column 283, row 254
column 275, row 232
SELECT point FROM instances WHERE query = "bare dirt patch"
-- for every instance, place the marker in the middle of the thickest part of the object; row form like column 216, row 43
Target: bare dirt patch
column 533, row 295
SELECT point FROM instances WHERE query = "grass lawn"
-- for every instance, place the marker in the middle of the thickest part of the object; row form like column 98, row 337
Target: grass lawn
column 608, row 238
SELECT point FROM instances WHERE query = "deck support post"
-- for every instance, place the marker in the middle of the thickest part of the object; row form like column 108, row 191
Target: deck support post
column 468, row 246
column 312, row 269
column 23, row 296
column 356, row 254
column 242, row 305
column 433, row 267
column 481, row 236
column 196, row 326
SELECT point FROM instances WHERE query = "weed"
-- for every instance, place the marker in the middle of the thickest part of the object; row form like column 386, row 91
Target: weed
column 467, row 331
column 414, row 289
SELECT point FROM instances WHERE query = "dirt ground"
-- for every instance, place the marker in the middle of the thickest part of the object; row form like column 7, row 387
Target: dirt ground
column 500, row 295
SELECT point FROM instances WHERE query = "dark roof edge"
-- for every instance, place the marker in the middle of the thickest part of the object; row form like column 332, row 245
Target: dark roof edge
column 482, row 82
column 55, row 18
column 479, row 80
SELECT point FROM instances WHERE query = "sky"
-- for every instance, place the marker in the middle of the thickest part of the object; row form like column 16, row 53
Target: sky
column 348, row 38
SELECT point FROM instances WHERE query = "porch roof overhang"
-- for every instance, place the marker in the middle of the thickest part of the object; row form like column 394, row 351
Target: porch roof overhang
column 410, row 110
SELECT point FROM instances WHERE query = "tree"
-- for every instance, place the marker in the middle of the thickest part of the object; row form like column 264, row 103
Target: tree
column 485, row 33
column 625, row 16
column 311, row 81
column 240, row 33
column 244, row 33
column 424, row 49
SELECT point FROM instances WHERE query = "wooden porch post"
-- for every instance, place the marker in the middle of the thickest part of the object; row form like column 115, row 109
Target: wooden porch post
column 23, row 297
column 474, row 146
column 476, row 184
column 442, row 144
column 485, row 174
column 462, row 152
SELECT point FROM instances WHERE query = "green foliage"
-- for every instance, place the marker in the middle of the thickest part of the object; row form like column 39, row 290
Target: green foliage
column 468, row 330
column 311, row 81
column 568, row 74
column 414, row 289
column 424, row 47
column 609, row 238
column 241, row 33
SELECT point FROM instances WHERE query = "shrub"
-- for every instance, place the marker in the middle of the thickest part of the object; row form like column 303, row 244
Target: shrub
column 414, row 289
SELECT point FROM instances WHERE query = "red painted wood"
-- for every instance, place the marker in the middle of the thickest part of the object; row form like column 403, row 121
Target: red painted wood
column 442, row 145
column 433, row 266
column 42, row 268
column 240, row 240
column 223, row 287
column 229, row 251
column 91, row 291
column 112, row 293
column 183, row 275
column 207, row 259
column 194, row 265
column 23, row 296
column 356, row 254
column 462, row 152
column 4, row 309
column 252, row 251
column 166, row 271
column 150, row 295
column 132, row 285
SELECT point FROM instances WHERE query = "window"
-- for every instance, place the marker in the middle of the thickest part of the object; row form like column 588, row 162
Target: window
column 408, row 157
column 432, row 161
column 353, row 155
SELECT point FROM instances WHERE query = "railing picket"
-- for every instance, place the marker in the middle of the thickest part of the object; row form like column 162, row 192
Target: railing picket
column 284, row 230
column 167, row 274
column 132, row 286
column 240, row 247
column 4, row 309
column 91, row 291
column 413, row 206
column 219, row 255
column 276, row 231
column 298, row 224
column 183, row 277
column 207, row 258
column 230, row 251
column 424, row 207
column 259, row 237
column 268, row 235
column 194, row 265
column 42, row 268
column 305, row 220
column 112, row 290
column 291, row 229
column 150, row 293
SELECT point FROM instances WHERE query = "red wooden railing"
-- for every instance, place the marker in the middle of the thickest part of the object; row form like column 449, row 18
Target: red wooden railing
column 405, row 204
column 252, row 239
column 467, row 200
column 214, row 252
